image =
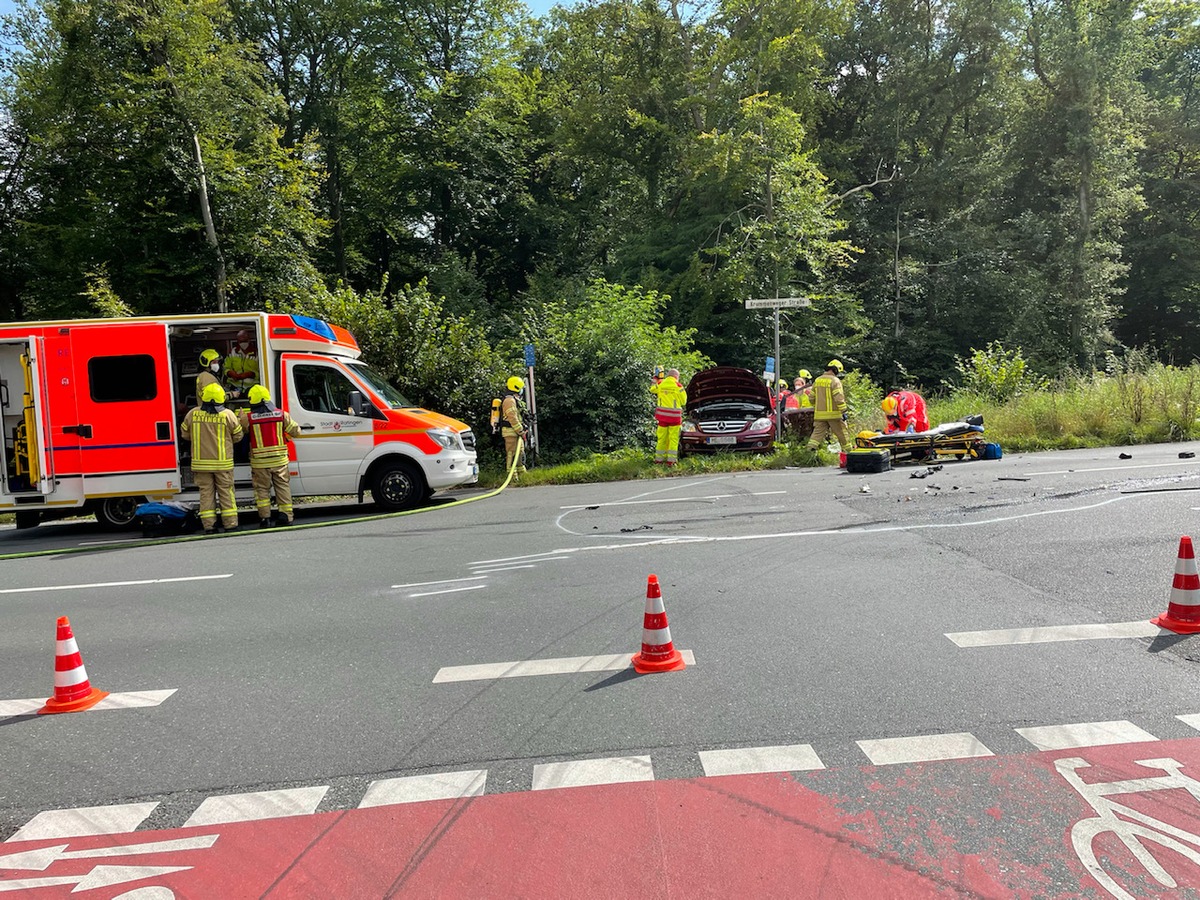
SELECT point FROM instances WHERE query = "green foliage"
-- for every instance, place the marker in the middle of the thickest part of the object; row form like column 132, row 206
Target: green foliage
column 997, row 374
column 101, row 297
column 595, row 353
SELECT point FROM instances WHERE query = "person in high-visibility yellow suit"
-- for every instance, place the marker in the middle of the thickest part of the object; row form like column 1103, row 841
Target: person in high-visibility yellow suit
column 802, row 393
column 269, row 429
column 213, row 430
column 830, row 412
column 513, row 427
column 670, row 401
column 241, row 365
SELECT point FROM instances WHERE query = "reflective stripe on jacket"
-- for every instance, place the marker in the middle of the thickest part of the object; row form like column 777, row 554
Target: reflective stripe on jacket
column 213, row 436
column 671, row 400
column 269, row 433
column 829, row 401
column 512, row 413
column 241, row 369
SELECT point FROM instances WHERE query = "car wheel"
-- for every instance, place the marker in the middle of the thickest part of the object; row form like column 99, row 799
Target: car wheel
column 398, row 485
column 28, row 518
column 117, row 513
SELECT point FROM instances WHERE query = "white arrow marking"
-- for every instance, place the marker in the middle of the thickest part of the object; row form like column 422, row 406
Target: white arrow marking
column 100, row 876
column 41, row 859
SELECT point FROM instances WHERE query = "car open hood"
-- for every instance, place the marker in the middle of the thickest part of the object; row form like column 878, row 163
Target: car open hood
column 724, row 384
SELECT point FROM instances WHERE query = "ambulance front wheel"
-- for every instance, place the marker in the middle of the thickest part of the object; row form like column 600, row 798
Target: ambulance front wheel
column 117, row 512
column 398, row 485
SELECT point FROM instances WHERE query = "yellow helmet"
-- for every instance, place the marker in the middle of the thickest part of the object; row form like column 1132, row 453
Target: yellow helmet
column 208, row 357
column 836, row 366
column 805, row 374
column 213, row 393
column 888, row 405
column 258, row 394
column 659, row 372
column 516, row 385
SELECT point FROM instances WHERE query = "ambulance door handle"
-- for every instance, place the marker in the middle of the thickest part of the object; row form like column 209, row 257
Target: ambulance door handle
column 84, row 431
column 307, row 427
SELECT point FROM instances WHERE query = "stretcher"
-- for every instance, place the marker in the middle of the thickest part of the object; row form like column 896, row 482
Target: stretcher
column 957, row 440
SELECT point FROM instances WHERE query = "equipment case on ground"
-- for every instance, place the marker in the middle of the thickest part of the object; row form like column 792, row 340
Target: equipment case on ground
column 868, row 460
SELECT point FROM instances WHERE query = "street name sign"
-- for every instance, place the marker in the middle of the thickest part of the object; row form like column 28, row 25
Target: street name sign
column 778, row 302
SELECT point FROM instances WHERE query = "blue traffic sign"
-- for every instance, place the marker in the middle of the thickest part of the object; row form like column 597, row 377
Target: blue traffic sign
column 529, row 358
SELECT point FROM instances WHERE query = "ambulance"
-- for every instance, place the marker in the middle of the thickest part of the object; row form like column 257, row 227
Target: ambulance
column 91, row 408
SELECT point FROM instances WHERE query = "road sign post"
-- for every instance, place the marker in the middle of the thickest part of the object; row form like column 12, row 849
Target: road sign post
column 776, row 303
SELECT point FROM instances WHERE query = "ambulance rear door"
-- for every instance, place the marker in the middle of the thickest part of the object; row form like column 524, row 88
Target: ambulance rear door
column 125, row 409
column 27, row 460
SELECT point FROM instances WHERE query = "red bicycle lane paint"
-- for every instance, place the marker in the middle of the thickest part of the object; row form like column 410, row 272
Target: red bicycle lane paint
column 986, row 827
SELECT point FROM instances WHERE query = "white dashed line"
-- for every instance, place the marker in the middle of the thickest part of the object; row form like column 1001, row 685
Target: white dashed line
column 925, row 748
column 586, row 772
column 661, row 500
column 488, row 571
column 104, row 584
column 753, row 760
column 127, row 700
column 1051, row 633
column 1186, row 462
column 256, row 806
column 562, row 666
column 419, row 788
column 83, row 821
column 469, row 587
column 1084, row 734
column 397, row 587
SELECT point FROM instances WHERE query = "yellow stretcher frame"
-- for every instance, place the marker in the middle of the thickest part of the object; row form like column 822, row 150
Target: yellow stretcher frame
column 925, row 446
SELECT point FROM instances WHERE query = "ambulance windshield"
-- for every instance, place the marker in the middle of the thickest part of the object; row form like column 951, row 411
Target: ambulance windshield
column 392, row 397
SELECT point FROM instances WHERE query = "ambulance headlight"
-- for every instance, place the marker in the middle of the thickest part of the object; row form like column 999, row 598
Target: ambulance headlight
column 444, row 437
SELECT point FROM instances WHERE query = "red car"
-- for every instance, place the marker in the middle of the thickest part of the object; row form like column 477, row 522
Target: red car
column 727, row 409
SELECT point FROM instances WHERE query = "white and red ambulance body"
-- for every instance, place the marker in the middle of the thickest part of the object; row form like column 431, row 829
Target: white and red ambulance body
column 90, row 411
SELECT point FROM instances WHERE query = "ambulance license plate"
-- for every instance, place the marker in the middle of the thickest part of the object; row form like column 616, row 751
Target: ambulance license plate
column 723, row 439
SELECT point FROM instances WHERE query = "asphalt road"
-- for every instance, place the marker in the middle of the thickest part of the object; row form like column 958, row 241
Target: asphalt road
column 816, row 603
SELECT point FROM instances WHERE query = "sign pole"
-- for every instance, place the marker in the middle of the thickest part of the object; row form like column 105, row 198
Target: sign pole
column 776, row 304
column 533, row 431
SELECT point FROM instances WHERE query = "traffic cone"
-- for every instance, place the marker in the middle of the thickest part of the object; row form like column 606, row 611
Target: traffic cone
column 72, row 690
column 1183, row 611
column 658, row 652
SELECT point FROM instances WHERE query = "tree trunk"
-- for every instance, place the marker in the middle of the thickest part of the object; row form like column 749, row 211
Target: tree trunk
column 210, row 230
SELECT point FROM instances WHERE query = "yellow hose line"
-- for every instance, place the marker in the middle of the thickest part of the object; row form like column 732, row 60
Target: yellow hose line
column 155, row 542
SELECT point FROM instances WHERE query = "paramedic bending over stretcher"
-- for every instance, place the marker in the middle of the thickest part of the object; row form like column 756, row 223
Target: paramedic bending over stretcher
column 905, row 411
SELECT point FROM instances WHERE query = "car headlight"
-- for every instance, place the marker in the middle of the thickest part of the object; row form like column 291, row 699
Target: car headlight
column 689, row 425
column 443, row 436
column 762, row 424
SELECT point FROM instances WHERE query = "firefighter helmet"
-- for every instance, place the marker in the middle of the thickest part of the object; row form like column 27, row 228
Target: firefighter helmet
column 836, row 366
column 888, row 405
column 659, row 372
column 258, row 394
column 516, row 385
column 805, row 374
column 208, row 357
column 213, row 393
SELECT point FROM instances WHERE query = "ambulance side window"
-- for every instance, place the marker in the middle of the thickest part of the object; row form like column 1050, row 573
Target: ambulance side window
column 121, row 379
column 322, row 389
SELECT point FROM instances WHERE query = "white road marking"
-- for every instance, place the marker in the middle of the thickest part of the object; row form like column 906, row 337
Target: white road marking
column 585, row 772
column 98, row 877
column 923, row 748
column 469, row 587
column 1185, row 462
column 504, row 568
column 83, row 821
column 445, row 581
column 1084, row 734
column 662, row 500
column 1193, row 720
column 484, row 567
column 563, row 666
column 258, row 805
column 419, row 788
column 104, row 584
column 126, row 700
column 765, row 493
column 41, row 859
column 1049, row 633
column 752, row 760
column 528, row 557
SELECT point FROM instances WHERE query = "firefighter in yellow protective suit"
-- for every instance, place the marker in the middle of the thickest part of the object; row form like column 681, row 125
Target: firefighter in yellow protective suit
column 270, row 429
column 210, row 373
column 213, row 430
column 512, row 427
column 830, row 412
column 670, row 399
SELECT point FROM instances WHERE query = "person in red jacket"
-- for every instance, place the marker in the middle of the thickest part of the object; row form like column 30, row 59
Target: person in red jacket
column 905, row 411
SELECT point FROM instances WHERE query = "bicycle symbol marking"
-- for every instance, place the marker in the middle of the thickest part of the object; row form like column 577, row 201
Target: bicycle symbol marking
column 1134, row 828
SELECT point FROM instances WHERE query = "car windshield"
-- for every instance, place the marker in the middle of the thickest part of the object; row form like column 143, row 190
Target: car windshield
column 392, row 397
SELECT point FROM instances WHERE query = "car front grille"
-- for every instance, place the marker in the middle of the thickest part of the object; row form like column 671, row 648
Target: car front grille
column 468, row 440
column 722, row 426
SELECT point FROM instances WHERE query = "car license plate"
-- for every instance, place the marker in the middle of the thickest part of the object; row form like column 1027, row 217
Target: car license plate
column 723, row 439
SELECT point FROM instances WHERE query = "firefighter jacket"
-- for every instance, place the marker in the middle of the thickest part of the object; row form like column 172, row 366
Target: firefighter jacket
column 910, row 413
column 512, row 415
column 213, row 432
column 241, row 369
column 203, row 380
column 829, row 400
column 270, row 429
column 670, row 400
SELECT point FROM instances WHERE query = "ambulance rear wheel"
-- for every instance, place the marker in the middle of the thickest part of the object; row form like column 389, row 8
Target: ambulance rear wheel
column 117, row 513
column 398, row 485
column 28, row 518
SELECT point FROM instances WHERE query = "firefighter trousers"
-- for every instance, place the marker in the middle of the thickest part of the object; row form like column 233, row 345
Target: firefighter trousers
column 510, row 449
column 822, row 428
column 666, row 450
column 263, row 480
column 216, row 495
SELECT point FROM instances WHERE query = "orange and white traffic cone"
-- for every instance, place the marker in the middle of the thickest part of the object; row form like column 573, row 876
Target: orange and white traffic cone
column 1183, row 610
column 72, row 690
column 658, row 652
